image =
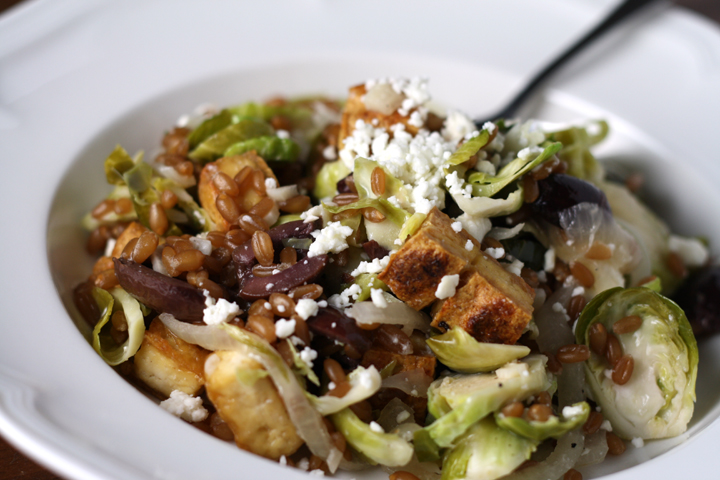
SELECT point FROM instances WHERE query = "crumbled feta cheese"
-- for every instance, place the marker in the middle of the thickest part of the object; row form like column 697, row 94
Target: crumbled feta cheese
column 571, row 411
column 297, row 340
column 606, row 426
column 375, row 427
column 342, row 300
column 185, row 406
column 220, row 311
column 281, row 308
column 456, row 226
column 332, row 238
column 303, row 464
column 312, row 214
column 496, row 253
column 402, row 416
column 549, row 260
column 416, row 119
column 469, row 245
column 559, row 308
column 284, row 328
column 307, row 355
column 489, row 126
column 691, row 250
column 306, row 308
column 542, row 276
column 322, row 303
column 515, row 267
column 317, row 473
column 109, row 247
column 283, row 460
column 284, row 134
column 201, row 243
column 638, row 442
column 377, row 265
column 330, row 153
column 477, row 227
column 580, row 290
column 271, row 183
column 447, row 286
column 456, row 126
column 269, row 286
column 376, row 295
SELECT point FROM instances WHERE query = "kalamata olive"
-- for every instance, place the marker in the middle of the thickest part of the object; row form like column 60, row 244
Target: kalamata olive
column 699, row 297
column 559, row 192
column 160, row 292
column 333, row 324
column 303, row 272
column 343, row 186
column 375, row 250
column 287, row 173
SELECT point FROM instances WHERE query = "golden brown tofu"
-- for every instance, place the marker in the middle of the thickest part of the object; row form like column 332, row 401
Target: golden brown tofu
column 355, row 110
column 165, row 362
column 404, row 363
column 251, row 406
column 434, row 251
column 208, row 191
column 134, row 230
column 490, row 303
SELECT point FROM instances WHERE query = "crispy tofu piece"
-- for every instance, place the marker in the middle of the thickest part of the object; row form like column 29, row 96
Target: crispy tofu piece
column 405, row 363
column 490, row 303
column 165, row 363
column 434, row 251
column 355, row 110
column 134, row 230
column 252, row 407
column 231, row 166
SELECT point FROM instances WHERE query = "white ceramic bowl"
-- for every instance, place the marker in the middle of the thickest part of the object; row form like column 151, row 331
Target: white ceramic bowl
column 79, row 77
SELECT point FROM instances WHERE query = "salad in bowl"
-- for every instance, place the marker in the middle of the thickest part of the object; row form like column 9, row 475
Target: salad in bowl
column 342, row 285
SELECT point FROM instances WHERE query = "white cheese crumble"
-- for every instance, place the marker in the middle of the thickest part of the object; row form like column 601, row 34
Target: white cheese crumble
column 691, row 250
column 201, row 243
column 580, row 290
column 284, row 134
column 456, row 126
column 469, row 245
column 342, row 300
column 377, row 265
column 376, row 295
column 375, row 427
column 402, row 416
column 330, row 153
column 270, row 183
column 109, row 247
column 282, row 460
column 571, row 411
column 306, row 308
column 185, row 406
column 303, row 464
column 495, row 252
column 220, row 311
column 447, row 286
column 331, row 239
column 307, row 355
column 312, row 214
column 549, row 260
column 606, row 426
column 317, row 473
column 515, row 267
column 284, row 328
column 456, row 226
column 638, row 442
column 475, row 226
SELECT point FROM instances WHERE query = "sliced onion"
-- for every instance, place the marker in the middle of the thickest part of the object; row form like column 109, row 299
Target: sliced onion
column 308, row 422
column 282, row 194
column 413, row 382
column 396, row 313
column 596, row 449
column 172, row 174
column 272, row 216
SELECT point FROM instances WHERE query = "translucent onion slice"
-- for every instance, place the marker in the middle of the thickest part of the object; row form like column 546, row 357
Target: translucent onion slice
column 396, row 313
column 308, row 422
column 413, row 382
column 596, row 449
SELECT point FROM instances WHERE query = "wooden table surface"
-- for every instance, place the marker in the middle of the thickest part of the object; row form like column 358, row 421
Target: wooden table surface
column 14, row 465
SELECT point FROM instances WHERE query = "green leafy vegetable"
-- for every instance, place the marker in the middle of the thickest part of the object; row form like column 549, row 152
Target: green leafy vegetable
column 328, row 177
column 379, row 448
column 460, row 351
column 395, row 214
column 469, row 148
column 214, row 146
column 364, row 382
column 199, row 219
column 576, row 150
column 110, row 302
column 116, row 164
column 269, row 148
column 658, row 400
column 486, row 452
column 553, row 427
column 485, row 185
column 302, row 367
column 209, row 127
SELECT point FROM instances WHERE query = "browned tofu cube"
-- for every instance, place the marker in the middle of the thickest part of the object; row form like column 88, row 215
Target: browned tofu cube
column 355, row 110
column 434, row 251
column 165, row 362
column 490, row 303
column 134, row 230
column 247, row 400
column 208, row 191
column 404, row 363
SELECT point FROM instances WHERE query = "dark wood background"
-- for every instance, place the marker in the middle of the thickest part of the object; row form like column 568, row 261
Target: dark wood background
column 14, row 465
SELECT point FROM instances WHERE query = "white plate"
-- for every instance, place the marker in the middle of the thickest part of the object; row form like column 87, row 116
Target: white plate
column 77, row 77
